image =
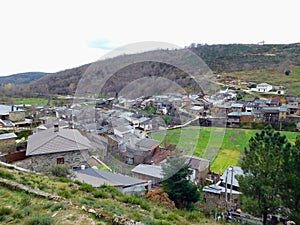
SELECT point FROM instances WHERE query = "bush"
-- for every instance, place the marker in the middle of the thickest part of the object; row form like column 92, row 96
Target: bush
column 135, row 201
column 78, row 182
column 100, row 194
column 113, row 190
column 40, row 220
column 27, row 211
column 64, row 193
column 194, row 216
column 64, row 179
column 86, row 187
column 18, row 214
column 5, row 211
column 23, row 134
column 157, row 215
column 60, row 170
column 26, row 201
column 6, row 175
column 58, row 206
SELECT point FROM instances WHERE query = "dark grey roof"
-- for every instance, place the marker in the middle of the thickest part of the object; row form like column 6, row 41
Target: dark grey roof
column 52, row 142
column 7, row 136
column 113, row 179
column 149, row 170
column 147, row 143
column 240, row 114
column 197, row 163
column 60, row 123
column 123, row 128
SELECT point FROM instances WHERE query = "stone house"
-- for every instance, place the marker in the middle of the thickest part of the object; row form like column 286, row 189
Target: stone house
column 7, row 143
column 200, row 168
column 293, row 105
column 274, row 114
column 57, row 146
column 139, row 150
column 12, row 113
column 234, row 119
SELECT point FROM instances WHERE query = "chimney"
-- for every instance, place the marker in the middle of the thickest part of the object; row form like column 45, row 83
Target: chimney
column 56, row 127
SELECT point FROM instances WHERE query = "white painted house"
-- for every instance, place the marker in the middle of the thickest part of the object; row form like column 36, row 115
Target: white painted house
column 263, row 87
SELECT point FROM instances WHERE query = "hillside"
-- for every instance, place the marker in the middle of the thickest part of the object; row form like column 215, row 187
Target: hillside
column 22, row 78
column 30, row 199
column 230, row 58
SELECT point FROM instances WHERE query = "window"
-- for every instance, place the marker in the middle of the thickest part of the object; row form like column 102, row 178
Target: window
column 60, row 160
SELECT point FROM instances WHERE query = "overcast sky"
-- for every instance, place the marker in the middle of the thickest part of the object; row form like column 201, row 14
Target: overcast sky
column 51, row 35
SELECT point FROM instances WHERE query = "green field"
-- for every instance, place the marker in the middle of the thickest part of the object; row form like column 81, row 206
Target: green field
column 224, row 147
column 30, row 101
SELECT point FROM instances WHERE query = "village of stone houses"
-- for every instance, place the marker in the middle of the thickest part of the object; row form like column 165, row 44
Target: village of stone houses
column 127, row 142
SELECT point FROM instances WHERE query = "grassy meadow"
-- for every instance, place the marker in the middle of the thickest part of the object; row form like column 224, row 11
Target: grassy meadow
column 30, row 101
column 274, row 77
column 224, row 147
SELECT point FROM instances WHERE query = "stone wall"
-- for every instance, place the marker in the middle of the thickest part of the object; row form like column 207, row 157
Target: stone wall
column 8, row 145
column 17, row 116
column 43, row 163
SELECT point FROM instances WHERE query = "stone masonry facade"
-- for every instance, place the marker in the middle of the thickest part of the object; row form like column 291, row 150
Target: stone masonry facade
column 43, row 163
column 8, row 145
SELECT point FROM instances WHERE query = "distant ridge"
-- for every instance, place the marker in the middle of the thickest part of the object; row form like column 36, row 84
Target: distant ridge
column 220, row 59
column 22, row 78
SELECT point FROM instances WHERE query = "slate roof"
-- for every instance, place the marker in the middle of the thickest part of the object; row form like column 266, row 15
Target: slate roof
column 99, row 177
column 147, row 143
column 197, row 163
column 64, row 140
column 240, row 114
column 7, row 136
column 149, row 170
column 123, row 129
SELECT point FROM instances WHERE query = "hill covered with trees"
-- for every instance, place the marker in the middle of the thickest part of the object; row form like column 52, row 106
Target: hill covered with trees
column 230, row 58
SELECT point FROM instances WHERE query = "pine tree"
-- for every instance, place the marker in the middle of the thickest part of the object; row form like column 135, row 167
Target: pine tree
column 290, row 190
column 264, row 173
column 177, row 185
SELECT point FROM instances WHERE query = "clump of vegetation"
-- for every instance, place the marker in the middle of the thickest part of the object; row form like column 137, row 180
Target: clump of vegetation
column 26, row 201
column 23, row 134
column 5, row 211
column 110, row 189
column 135, row 201
column 64, row 193
column 40, row 220
column 100, row 194
column 59, row 171
column 6, row 175
column 58, row 206
column 86, row 187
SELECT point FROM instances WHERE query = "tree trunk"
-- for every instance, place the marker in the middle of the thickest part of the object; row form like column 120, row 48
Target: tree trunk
column 265, row 215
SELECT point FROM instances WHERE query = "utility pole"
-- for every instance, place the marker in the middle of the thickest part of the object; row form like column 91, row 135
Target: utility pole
column 231, row 169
